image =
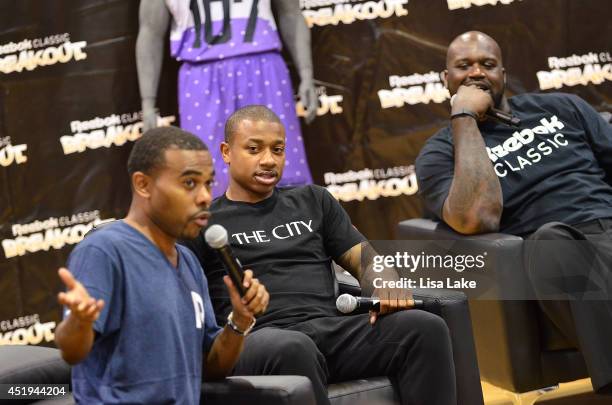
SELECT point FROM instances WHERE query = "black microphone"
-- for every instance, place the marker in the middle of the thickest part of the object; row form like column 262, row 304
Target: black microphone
column 498, row 115
column 504, row 117
column 347, row 304
column 216, row 237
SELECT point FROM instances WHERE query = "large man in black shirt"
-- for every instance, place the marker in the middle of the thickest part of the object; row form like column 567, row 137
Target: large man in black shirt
column 288, row 237
column 547, row 180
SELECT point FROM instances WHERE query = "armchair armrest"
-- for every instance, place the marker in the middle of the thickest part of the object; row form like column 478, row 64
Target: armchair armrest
column 249, row 390
column 506, row 330
column 34, row 365
column 427, row 229
column 451, row 306
column 345, row 282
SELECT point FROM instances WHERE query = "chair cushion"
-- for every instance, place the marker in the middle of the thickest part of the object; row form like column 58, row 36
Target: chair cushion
column 33, row 365
column 368, row 391
column 269, row 390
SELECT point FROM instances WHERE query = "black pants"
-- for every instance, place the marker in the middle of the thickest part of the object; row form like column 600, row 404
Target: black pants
column 412, row 347
column 572, row 278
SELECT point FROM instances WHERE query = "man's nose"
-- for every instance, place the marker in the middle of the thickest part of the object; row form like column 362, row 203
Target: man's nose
column 204, row 197
column 267, row 159
column 476, row 71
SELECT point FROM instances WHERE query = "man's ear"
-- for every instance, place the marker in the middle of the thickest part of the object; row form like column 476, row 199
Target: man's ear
column 443, row 76
column 141, row 184
column 224, row 147
column 505, row 81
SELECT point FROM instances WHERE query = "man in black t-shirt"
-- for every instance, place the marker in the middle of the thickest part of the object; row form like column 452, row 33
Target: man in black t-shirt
column 288, row 237
column 550, row 179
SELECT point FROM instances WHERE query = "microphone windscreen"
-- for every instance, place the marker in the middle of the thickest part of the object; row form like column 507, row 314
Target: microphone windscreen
column 216, row 236
column 346, row 303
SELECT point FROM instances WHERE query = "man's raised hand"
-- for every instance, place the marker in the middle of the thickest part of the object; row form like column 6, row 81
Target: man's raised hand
column 472, row 98
column 85, row 308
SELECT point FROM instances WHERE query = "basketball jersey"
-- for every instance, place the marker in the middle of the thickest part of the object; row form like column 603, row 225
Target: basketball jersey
column 210, row 30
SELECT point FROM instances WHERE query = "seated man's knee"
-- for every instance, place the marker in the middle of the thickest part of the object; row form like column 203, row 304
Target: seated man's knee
column 553, row 231
column 293, row 345
column 424, row 327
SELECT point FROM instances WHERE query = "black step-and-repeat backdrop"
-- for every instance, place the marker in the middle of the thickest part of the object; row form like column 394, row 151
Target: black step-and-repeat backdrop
column 70, row 112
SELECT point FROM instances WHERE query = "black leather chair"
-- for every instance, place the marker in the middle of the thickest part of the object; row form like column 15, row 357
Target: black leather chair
column 452, row 306
column 43, row 365
column 518, row 348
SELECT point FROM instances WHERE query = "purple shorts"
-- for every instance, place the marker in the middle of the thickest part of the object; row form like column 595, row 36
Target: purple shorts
column 210, row 92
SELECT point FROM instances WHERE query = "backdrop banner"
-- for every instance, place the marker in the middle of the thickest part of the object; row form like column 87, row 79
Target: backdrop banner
column 70, row 112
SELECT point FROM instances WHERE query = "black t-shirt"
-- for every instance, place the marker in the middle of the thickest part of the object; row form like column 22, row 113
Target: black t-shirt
column 556, row 167
column 288, row 240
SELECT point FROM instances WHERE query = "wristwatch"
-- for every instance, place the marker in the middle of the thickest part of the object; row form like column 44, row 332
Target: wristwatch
column 463, row 113
column 235, row 328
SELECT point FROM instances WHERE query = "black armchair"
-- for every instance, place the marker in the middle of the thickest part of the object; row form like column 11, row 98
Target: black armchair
column 452, row 306
column 43, row 365
column 518, row 348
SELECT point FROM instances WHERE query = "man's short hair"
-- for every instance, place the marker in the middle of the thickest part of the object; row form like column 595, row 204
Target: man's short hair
column 148, row 152
column 250, row 112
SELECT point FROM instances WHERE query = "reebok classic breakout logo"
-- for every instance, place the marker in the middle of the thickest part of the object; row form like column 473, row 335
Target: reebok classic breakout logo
column 413, row 89
column 115, row 129
column 548, row 140
column 372, row 183
column 328, row 104
column 50, row 233
column 456, row 4
column 12, row 154
column 334, row 12
column 30, row 54
column 26, row 330
column 573, row 70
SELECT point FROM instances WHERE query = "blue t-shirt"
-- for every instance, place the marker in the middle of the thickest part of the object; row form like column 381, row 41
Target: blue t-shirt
column 156, row 323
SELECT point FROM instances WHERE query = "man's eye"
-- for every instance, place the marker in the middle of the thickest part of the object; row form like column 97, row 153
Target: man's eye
column 279, row 150
column 252, row 149
column 189, row 183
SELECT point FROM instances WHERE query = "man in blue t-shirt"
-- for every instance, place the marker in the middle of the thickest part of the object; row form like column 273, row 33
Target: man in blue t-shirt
column 549, row 179
column 139, row 323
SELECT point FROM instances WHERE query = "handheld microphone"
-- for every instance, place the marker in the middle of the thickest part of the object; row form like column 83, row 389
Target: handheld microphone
column 216, row 237
column 504, row 117
column 347, row 304
column 498, row 115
